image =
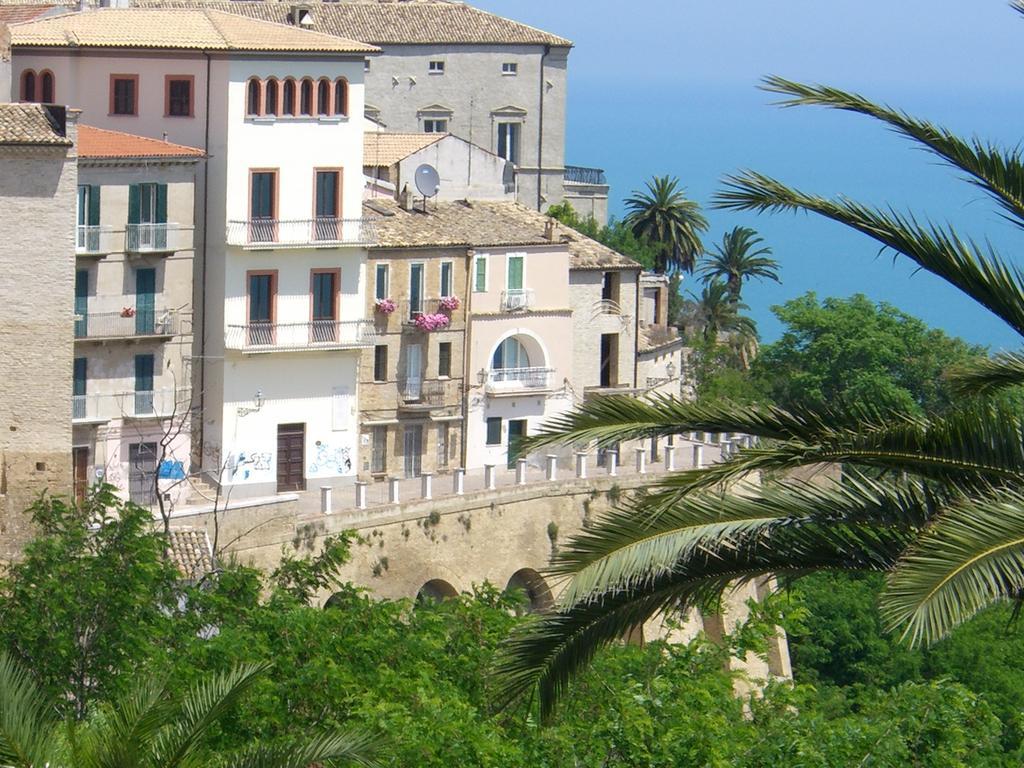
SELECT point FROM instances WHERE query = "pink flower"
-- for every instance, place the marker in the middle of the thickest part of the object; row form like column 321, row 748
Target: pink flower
column 385, row 306
column 431, row 322
column 449, row 303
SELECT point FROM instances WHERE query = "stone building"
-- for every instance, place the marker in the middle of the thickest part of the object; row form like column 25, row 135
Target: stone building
column 131, row 402
column 38, row 181
column 660, row 350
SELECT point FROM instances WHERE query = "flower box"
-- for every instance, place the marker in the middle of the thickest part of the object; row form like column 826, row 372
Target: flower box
column 431, row 322
column 449, row 303
column 385, row 306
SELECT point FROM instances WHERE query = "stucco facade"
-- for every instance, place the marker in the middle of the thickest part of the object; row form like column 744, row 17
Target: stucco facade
column 37, row 255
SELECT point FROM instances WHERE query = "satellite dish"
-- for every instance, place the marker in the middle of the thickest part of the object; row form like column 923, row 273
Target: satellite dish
column 427, row 181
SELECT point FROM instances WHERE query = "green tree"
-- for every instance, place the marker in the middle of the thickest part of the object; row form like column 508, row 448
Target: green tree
column 716, row 312
column 944, row 518
column 856, row 351
column 664, row 217
column 739, row 258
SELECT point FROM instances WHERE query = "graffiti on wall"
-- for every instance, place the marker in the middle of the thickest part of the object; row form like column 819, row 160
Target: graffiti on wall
column 330, row 460
column 248, row 463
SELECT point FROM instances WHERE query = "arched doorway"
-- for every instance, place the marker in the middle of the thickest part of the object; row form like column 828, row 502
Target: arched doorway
column 535, row 589
column 436, row 590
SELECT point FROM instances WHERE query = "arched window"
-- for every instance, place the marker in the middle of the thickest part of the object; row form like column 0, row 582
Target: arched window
column 510, row 354
column 253, row 98
column 46, row 81
column 340, row 96
column 288, row 97
column 270, row 97
column 28, row 85
column 306, row 97
column 323, row 97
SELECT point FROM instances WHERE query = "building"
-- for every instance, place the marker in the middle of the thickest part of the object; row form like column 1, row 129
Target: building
column 660, row 350
column 280, row 280
column 447, row 67
column 38, row 181
column 586, row 189
column 132, row 401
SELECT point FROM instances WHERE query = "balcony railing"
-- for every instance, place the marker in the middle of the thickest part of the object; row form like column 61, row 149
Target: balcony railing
column 516, row 300
column 516, row 380
column 300, row 233
column 316, row 334
column 126, row 325
column 156, row 238
column 97, row 240
column 140, row 404
column 426, row 393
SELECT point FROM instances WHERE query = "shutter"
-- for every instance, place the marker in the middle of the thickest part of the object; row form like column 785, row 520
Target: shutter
column 145, row 301
column 481, row 274
column 144, row 373
column 81, row 368
column 161, row 204
column 515, row 273
column 134, row 203
column 94, row 205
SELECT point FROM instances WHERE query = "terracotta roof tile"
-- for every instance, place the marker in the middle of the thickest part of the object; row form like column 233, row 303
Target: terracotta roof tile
column 16, row 14
column 164, row 28
column 387, row 21
column 100, row 143
column 385, row 149
column 478, row 224
column 657, row 336
column 191, row 552
column 30, row 125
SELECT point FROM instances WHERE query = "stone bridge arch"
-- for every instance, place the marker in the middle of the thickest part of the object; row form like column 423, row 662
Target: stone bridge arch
column 534, row 586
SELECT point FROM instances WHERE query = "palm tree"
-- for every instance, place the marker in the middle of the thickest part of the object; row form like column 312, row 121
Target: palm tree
column 935, row 503
column 739, row 258
column 663, row 216
column 717, row 312
column 148, row 728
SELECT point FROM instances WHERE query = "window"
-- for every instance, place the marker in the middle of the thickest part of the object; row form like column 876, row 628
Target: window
column 323, row 98
column 515, row 273
column 341, row 96
column 288, row 97
column 446, row 278
column 510, row 354
column 443, row 441
column 324, row 294
column 380, row 362
column 610, row 287
column 262, row 295
column 508, row 141
column 88, row 218
column 28, row 85
column 435, row 67
column 78, row 388
column 366, row 65
column 143, row 384
column 124, row 94
column 263, row 206
column 415, row 290
column 379, row 463
column 381, row 287
column 145, row 302
column 494, row 430
column 178, row 96
column 435, row 126
column 306, row 97
column 270, row 93
column 46, row 87
column 147, row 217
column 81, row 303
column 254, row 98
column 480, row 274
column 327, row 205
column 509, row 68
column 444, row 359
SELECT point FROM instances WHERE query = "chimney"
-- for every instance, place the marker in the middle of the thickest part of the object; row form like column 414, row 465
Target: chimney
column 301, row 15
column 405, row 199
column 550, row 228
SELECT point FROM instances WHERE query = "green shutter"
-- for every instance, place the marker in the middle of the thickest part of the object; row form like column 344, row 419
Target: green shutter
column 134, row 203
column 515, row 273
column 94, row 205
column 481, row 274
column 161, row 204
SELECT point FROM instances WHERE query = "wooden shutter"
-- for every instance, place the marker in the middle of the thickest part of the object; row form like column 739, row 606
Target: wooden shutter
column 134, row 203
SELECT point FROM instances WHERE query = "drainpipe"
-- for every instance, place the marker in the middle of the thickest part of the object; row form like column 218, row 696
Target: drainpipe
column 540, row 128
column 636, row 333
column 466, row 357
column 202, row 319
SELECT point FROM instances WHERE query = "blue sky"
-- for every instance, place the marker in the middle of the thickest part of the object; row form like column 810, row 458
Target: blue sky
column 662, row 87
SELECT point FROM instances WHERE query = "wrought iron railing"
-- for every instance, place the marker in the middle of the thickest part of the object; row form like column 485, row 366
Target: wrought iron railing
column 156, row 238
column 578, row 174
column 315, row 334
column 159, row 403
column 516, row 300
column 130, row 322
column 300, row 233
column 515, row 379
column 425, row 392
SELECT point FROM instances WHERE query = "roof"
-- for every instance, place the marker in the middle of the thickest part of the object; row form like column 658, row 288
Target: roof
column 16, row 14
column 31, row 125
column 477, row 224
column 100, row 143
column 409, row 22
column 163, row 28
column 652, row 337
column 191, row 553
column 385, row 149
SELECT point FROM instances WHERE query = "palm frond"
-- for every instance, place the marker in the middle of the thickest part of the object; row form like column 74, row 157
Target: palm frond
column 349, row 747
column 970, row 557
column 27, row 721
column 1000, row 172
column 124, row 734
column 981, row 274
column 988, row 375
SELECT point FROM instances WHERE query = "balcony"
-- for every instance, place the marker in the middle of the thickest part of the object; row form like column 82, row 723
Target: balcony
column 150, row 404
column 156, row 238
column 126, row 324
column 425, row 395
column 518, row 381
column 97, row 240
column 516, row 300
column 256, row 234
column 299, row 337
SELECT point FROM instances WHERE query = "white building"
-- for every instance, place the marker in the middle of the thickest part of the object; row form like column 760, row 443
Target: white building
column 279, row 301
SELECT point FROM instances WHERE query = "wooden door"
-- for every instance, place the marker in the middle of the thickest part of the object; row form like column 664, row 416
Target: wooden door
column 291, row 457
column 142, row 466
column 80, row 461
